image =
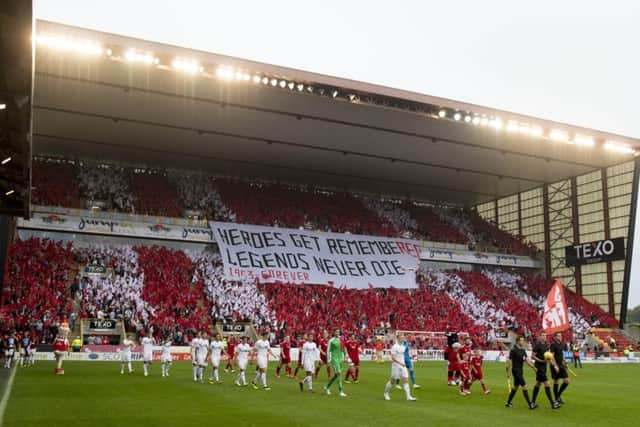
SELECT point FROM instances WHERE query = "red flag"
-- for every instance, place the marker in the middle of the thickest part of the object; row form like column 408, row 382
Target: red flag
column 555, row 317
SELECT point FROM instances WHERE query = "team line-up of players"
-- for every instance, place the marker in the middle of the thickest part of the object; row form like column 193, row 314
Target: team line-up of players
column 329, row 351
column 313, row 354
column 27, row 352
column 464, row 363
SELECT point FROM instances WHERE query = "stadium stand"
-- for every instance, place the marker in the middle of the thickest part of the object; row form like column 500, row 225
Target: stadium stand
column 35, row 293
column 459, row 219
column 277, row 205
column 483, row 313
column 175, row 300
column 611, row 339
column 432, row 227
column 314, row 307
column 55, row 183
column 117, row 295
column 107, row 183
column 504, row 241
column 230, row 301
column 592, row 314
column 523, row 317
column 393, row 212
column 150, row 192
column 179, row 293
column 200, row 192
column 154, row 195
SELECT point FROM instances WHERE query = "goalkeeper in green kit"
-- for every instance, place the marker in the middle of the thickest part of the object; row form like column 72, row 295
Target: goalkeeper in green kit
column 335, row 356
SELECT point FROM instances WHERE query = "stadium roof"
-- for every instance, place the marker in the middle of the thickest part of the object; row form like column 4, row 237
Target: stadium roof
column 123, row 99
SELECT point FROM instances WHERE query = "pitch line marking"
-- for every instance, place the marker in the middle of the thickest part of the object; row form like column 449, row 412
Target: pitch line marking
column 5, row 396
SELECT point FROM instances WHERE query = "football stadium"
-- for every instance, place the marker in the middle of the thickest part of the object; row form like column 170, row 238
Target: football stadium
column 188, row 237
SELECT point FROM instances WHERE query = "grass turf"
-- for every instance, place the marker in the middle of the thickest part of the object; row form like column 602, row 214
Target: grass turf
column 95, row 394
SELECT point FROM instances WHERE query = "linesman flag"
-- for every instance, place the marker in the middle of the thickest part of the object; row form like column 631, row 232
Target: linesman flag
column 555, row 317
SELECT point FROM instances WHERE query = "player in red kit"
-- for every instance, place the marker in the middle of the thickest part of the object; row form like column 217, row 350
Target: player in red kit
column 300, row 342
column 476, row 370
column 353, row 350
column 285, row 357
column 464, row 355
column 465, row 349
column 322, row 345
column 465, row 374
column 231, row 348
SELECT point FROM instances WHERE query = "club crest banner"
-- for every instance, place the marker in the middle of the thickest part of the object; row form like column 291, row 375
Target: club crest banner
column 555, row 317
column 270, row 254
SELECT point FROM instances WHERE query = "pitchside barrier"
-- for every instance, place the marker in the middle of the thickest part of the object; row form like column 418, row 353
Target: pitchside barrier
column 183, row 354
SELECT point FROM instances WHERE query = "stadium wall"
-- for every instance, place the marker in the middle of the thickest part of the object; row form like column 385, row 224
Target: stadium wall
column 182, row 354
column 589, row 207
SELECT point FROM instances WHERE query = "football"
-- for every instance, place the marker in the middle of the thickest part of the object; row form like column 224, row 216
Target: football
column 548, row 355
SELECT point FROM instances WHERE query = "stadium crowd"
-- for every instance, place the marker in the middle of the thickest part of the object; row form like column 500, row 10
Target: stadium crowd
column 483, row 313
column 199, row 193
column 432, row 227
column 393, row 212
column 504, row 241
column 154, row 195
column 520, row 316
column 316, row 308
column 178, row 293
column 517, row 284
column 106, row 183
column 175, row 194
column 278, row 205
column 117, row 295
column 231, row 301
column 55, row 183
column 35, row 292
column 175, row 300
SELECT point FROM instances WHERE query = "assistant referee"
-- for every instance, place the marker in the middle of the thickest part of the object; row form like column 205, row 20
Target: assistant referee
column 559, row 375
column 539, row 349
column 515, row 363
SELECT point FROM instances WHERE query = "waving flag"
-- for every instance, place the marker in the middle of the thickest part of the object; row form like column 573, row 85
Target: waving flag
column 555, row 317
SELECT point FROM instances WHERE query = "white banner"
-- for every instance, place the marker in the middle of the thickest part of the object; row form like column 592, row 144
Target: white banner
column 482, row 258
column 270, row 255
column 116, row 227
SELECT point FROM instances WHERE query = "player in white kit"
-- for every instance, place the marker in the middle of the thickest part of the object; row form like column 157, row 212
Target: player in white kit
column 310, row 354
column 10, row 344
column 398, row 369
column 202, row 351
column 33, row 347
column 125, row 354
column 165, row 358
column 217, row 348
column 242, row 357
column 262, row 350
column 147, row 352
column 195, row 342
column 25, row 343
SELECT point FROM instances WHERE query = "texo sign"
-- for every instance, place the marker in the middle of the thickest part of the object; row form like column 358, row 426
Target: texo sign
column 594, row 252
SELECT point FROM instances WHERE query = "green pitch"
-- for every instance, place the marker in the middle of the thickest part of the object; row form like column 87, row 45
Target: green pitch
column 95, row 394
